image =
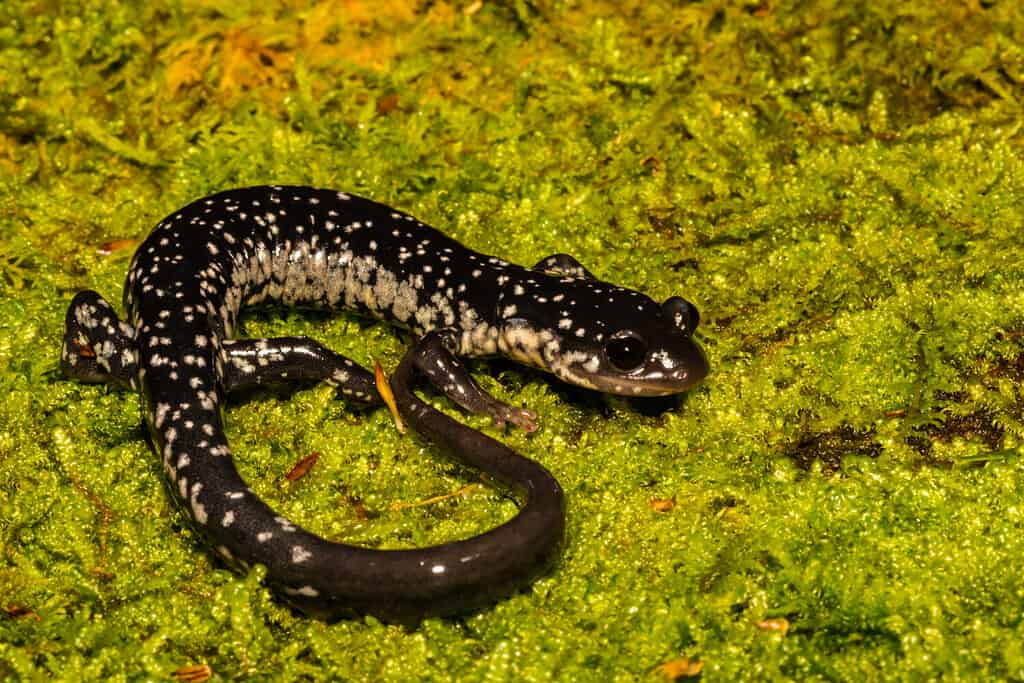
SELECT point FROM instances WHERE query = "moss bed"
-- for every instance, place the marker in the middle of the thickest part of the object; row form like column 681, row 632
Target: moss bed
column 838, row 186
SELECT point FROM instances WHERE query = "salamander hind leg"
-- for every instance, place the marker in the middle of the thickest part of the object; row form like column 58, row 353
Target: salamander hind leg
column 257, row 362
column 98, row 346
column 434, row 356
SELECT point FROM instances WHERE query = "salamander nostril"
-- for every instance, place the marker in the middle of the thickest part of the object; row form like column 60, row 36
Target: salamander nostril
column 682, row 313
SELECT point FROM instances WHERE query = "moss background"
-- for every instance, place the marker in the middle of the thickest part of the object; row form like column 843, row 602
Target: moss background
column 838, row 185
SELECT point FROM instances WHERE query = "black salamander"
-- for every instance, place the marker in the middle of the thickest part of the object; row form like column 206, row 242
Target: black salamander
column 304, row 246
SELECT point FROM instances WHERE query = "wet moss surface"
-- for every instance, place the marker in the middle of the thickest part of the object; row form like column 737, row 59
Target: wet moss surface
column 837, row 186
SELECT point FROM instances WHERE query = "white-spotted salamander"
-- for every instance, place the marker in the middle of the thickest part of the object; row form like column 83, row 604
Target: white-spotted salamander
column 312, row 247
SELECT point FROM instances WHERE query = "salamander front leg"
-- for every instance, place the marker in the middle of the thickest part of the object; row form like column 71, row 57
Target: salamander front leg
column 256, row 362
column 434, row 356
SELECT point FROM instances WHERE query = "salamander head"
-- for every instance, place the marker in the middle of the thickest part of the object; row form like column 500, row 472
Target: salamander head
column 596, row 335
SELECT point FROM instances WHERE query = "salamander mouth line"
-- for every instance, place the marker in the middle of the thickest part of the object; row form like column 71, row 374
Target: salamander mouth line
column 306, row 247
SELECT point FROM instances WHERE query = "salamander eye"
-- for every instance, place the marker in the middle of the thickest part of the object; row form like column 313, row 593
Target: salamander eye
column 626, row 350
column 682, row 313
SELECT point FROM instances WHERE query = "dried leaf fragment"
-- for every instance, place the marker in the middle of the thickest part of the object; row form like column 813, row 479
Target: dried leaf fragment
column 684, row 667
column 108, row 248
column 302, row 467
column 195, row 674
column 780, row 625
column 384, row 389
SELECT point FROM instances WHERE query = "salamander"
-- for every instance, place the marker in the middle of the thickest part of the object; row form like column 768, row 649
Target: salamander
column 300, row 246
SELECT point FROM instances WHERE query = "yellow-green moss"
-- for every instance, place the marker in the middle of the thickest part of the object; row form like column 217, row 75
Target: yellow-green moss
column 838, row 186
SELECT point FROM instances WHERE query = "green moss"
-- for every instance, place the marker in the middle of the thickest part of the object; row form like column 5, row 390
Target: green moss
column 837, row 185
